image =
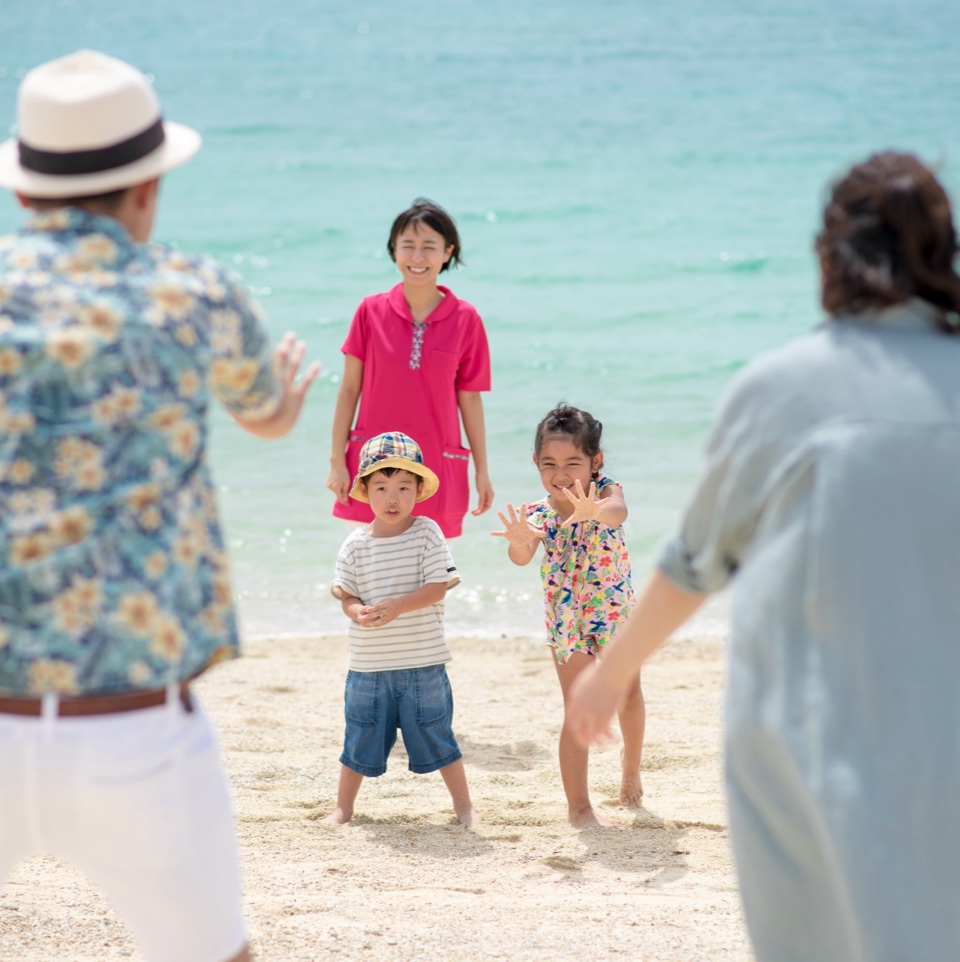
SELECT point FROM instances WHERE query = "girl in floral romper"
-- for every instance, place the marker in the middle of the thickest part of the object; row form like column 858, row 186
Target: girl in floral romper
column 586, row 582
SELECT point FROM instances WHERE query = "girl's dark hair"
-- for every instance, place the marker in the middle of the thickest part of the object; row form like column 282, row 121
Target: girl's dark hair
column 582, row 427
column 424, row 211
column 887, row 236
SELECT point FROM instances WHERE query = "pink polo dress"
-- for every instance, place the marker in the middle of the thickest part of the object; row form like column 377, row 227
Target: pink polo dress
column 412, row 387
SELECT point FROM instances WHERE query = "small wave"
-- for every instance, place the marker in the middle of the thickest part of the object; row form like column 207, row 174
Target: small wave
column 725, row 263
column 522, row 216
column 746, row 265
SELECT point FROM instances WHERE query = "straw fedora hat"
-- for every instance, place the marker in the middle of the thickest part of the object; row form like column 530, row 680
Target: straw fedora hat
column 89, row 124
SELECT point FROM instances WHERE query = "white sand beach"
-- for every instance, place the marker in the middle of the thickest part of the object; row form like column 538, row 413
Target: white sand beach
column 404, row 881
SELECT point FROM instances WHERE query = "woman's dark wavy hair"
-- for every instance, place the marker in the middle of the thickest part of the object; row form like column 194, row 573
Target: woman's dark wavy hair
column 583, row 428
column 425, row 211
column 888, row 235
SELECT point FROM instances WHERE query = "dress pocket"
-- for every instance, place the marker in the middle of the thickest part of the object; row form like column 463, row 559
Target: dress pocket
column 454, row 480
column 355, row 442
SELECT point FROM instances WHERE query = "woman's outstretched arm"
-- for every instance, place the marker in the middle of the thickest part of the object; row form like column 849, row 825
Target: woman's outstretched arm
column 598, row 691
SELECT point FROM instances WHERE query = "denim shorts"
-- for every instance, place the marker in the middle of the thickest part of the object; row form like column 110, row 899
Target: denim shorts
column 418, row 701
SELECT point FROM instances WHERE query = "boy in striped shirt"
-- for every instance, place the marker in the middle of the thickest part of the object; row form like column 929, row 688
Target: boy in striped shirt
column 391, row 578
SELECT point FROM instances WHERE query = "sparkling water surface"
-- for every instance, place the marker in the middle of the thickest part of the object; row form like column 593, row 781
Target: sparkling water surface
column 636, row 185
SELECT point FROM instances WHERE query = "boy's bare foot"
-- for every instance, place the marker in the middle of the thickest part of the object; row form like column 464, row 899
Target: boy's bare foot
column 468, row 817
column 455, row 778
column 337, row 817
column 631, row 790
column 589, row 817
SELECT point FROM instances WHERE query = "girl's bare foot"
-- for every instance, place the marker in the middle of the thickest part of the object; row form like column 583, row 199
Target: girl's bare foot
column 467, row 816
column 337, row 817
column 589, row 817
column 631, row 790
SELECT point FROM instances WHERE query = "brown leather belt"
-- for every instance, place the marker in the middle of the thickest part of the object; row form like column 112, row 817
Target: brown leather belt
column 94, row 704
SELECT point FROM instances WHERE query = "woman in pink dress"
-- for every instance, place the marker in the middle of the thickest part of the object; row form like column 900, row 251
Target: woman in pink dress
column 416, row 360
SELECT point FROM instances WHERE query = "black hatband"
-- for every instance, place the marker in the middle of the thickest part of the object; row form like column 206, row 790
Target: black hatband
column 93, row 161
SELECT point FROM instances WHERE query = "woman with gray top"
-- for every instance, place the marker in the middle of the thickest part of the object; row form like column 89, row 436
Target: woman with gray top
column 830, row 501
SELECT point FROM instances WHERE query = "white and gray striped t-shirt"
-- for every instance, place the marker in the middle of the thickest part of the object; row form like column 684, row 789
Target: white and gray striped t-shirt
column 372, row 569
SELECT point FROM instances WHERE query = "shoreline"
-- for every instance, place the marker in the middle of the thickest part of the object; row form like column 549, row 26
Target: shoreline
column 403, row 880
column 471, row 622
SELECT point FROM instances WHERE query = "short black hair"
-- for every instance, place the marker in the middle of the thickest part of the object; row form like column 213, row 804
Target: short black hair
column 110, row 200
column 388, row 472
column 425, row 211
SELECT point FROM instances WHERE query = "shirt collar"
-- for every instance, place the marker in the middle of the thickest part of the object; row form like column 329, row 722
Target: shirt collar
column 443, row 310
column 77, row 221
column 914, row 314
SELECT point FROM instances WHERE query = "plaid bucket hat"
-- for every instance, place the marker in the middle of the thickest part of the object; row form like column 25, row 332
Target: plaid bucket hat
column 393, row 450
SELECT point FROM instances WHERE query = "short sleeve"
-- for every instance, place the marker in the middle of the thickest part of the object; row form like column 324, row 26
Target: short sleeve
column 345, row 575
column 438, row 564
column 603, row 483
column 243, row 375
column 720, row 520
column 473, row 371
column 537, row 514
column 357, row 337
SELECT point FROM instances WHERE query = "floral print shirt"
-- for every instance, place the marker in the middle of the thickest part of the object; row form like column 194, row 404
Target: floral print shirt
column 113, row 574
column 585, row 570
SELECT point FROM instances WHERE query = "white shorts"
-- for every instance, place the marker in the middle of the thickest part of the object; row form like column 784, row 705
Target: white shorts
column 139, row 802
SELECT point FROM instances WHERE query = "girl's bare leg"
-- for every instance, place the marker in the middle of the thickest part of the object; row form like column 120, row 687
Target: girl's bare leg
column 455, row 778
column 347, row 788
column 633, row 718
column 574, row 760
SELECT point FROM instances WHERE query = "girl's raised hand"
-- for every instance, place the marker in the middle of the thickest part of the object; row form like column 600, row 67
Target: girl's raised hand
column 518, row 530
column 586, row 507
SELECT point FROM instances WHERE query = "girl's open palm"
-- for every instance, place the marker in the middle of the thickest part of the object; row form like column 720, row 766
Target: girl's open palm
column 586, row 507
column 518, row 530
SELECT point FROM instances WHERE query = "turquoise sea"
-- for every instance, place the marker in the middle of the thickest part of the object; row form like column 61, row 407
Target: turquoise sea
column 637, row 187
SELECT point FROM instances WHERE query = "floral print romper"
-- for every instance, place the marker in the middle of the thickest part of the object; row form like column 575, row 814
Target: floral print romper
column 587, row 589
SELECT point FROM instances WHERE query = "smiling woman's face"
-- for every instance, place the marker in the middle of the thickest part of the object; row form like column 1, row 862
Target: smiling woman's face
column 420, row 254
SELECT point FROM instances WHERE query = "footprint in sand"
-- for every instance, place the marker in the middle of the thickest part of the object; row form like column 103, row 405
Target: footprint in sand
column 562, row 863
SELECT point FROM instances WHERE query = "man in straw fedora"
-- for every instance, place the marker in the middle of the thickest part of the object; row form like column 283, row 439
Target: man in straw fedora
column 114, row 587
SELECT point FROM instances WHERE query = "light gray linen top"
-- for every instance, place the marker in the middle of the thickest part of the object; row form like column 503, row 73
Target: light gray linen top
column 832, row 492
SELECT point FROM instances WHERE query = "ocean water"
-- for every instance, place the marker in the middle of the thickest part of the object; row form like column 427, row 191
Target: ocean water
column 637, row 186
